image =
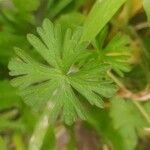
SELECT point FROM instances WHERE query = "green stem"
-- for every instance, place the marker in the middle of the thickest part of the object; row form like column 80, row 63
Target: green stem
column 119, row 83
column 18, row 141
column 39, row 133
column 137, row 104
column 142, row 110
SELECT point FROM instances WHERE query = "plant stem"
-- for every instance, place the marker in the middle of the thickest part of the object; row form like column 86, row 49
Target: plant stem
column 18, row 141
column 137, row 104
column 40, row 131
column 142, row 110
column 119, row 83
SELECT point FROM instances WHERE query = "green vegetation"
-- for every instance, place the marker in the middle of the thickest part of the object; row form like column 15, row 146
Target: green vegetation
column 74, row 74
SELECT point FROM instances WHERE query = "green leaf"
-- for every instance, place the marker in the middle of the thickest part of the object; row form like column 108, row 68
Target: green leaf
column 126, row 120
column 8, row 96
column 79, row 3
column 7, row 41
column 98, row 42
column 26, row 5
column 146, row 4
column 71, row 20
column 49, row 140
column 60, row 78
column 11, row 125
column 18, row 142
column 2, row 144
column 98, row 119
column 116, row 53
column 58, row 7
column 99, row 16
column 147, row 107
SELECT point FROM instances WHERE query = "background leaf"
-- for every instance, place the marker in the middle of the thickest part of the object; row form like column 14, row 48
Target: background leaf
column 49, row 140
column 2, row 144
column 127, row 120
column 101, row 13
column 26, row 5
column 8, row 96
column 146, row 4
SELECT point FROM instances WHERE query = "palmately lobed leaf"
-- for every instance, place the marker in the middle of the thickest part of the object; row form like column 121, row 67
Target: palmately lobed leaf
column 63, row 76
column 116, row 53
column 127, row 121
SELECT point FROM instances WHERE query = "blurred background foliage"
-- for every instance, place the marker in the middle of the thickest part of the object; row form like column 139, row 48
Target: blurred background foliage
column 17, row 121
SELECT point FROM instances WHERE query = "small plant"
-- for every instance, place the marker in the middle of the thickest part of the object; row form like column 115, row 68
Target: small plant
column 74, row 71
column 69, row 73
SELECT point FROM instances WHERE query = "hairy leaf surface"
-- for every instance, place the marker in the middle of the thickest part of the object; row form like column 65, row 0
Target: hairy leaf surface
column 61, row 77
